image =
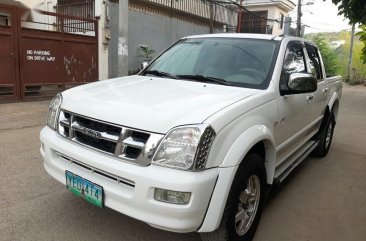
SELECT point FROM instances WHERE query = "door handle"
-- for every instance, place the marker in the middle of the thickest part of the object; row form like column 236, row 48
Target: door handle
column 309, row 97
column 325, row 90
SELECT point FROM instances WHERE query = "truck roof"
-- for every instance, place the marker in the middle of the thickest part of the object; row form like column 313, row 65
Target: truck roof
column 249, row 36
column 238, row 35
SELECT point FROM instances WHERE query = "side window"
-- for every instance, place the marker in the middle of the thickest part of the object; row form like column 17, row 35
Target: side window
column 295, row 59
column 5, row 19
column 294, row 62
column 314, row 58
column 282, row 17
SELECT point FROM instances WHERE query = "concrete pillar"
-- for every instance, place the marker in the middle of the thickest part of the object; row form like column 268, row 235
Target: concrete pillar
column 302, row 32
column 286, row 26
column 103, row 45
column 123, row 38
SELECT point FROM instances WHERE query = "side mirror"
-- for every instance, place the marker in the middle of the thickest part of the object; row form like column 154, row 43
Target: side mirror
column 299, row 83
column 144, row 64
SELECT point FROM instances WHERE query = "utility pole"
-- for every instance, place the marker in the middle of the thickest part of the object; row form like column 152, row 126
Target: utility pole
column 211, row 17
column 239, row 18
column 123, row 38
column 349, row 72
column 298, row 27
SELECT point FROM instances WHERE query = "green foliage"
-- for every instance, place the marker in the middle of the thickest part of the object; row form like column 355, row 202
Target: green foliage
column 330, row 59
column 146, row 52
column 362, row 36
column 354, row 10
column 358, row 71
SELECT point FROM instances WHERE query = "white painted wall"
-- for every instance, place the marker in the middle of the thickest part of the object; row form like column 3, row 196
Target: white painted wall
column 277, row 26
column 288, row 5
column 46, row 5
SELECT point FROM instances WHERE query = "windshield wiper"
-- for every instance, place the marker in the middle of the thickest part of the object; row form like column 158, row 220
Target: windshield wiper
column 160, row 74
column 205, row 78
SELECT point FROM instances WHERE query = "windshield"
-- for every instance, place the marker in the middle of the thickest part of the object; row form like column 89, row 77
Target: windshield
column 230, row 61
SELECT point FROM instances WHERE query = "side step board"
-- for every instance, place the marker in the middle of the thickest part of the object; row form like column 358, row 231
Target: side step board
column 296, row 159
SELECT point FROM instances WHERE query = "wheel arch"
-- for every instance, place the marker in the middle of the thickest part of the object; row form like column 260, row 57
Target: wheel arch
column 257, row 139
column 335, row 109
column 333, row 105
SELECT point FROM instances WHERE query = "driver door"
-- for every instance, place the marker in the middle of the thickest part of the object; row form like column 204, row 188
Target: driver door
column 295, row 110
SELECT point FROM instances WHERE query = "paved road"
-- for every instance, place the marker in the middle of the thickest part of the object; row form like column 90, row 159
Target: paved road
column 324, row 199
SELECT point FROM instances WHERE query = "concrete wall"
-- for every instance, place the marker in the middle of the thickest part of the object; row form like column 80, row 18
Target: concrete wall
column 113, row 43
column 157, row 32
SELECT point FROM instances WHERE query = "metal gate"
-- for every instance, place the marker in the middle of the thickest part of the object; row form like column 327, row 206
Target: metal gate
column 43, row 53
column 9, row 87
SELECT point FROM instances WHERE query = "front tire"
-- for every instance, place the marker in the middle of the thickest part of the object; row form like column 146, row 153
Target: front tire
column 244, row 204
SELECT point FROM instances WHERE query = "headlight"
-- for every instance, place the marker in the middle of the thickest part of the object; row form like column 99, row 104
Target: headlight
column 53, row 111
column 186, row 147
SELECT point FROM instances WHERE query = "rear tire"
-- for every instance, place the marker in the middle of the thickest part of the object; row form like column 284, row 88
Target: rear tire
column 244, row 204
column 325, row 137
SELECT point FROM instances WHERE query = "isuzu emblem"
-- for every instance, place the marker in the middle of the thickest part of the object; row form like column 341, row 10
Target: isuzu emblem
column 91, row 133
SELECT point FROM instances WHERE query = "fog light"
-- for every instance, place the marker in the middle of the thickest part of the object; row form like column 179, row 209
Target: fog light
column 174, row 197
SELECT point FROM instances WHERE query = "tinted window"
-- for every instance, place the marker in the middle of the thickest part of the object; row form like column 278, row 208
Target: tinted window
column 240, row 62
column 294, row 62
column 295, row 59
column 314, row 61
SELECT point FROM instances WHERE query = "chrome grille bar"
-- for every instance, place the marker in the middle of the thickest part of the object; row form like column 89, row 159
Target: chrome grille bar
column 103, row 135
column 97, row 171
column 124, row 143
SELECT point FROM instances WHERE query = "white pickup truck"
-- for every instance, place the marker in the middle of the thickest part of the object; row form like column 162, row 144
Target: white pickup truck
column 195, row 140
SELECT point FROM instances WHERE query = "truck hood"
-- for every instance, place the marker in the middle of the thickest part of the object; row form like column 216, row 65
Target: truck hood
column 150, row 103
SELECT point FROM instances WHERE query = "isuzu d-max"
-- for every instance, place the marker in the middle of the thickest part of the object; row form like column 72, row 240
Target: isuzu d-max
column 194, row 141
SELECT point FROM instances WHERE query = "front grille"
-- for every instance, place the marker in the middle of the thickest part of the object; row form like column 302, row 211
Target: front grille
column 121, row 142
column 94, row 171
column 107, row 146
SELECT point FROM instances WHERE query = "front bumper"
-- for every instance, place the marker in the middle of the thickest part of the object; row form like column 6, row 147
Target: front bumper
column 134, row 200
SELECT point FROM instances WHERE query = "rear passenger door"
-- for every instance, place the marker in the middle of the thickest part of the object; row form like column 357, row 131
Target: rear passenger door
column 320, row 96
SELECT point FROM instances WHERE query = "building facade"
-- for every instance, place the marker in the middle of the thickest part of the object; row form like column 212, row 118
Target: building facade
column 265, row 16
column 59, row 44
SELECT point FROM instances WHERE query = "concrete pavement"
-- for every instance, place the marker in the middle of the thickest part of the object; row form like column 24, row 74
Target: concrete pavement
column 324, row 199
